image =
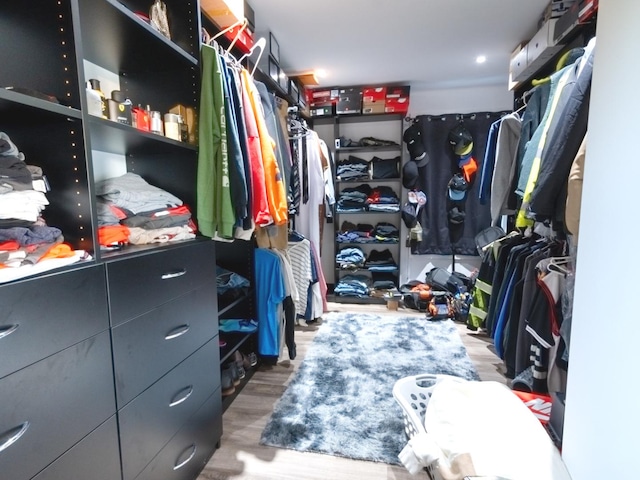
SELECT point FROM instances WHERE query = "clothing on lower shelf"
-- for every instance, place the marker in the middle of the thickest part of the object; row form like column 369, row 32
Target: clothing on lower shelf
column 350, row 258
column 353, row 286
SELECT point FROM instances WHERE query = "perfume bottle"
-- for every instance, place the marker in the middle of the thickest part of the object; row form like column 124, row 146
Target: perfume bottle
column 95, row 86
column 94, row 101
column 119, row 108
column 142, row 118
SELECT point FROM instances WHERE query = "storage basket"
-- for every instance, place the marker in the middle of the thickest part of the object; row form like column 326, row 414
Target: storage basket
column 413, row 394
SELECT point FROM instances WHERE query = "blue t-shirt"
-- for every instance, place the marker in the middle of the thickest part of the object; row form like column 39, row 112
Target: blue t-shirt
column 270, row 292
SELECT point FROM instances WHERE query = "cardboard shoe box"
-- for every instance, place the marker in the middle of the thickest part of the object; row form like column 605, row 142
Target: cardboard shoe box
column 373, row 99
column 349, row 101
column 190, row 119
column 371, row 108
column 373, row 94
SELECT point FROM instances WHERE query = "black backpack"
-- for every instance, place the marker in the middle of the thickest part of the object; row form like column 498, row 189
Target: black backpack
column 412, row 299
column 441, row 280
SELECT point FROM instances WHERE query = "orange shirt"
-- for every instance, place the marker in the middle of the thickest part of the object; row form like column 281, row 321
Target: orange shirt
column 276, row 193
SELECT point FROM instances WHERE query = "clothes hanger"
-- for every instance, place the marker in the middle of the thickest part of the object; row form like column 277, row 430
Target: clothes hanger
column 240, row 23
column 261, row 44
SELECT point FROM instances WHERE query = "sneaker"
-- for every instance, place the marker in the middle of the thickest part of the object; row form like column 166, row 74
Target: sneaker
column 226, row 381
column 252, row 359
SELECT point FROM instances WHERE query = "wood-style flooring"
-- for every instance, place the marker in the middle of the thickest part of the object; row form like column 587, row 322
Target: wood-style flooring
column 241, row 457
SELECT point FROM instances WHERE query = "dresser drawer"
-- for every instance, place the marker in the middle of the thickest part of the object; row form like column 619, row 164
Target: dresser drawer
column 96, row 457
column 49, row 406
column 42, row 316
column 137, row 285
column 152, row 418
column 189, row 450
column 149, row 346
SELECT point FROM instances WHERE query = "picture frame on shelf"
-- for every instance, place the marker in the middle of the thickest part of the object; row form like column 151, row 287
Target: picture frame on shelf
column 274, row 48
column 274, row 70
column 294, row 91
column 283, row 80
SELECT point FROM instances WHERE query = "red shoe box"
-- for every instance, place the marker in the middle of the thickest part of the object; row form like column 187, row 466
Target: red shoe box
column 396, row 105
column 398, row 92
column 245, row 38
column 373, row 94
column 320, row 96
column 540, row 405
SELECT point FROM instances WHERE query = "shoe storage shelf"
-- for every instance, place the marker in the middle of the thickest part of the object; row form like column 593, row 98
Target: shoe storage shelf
column 238, row 360
column 350, row 130
column 104, row 376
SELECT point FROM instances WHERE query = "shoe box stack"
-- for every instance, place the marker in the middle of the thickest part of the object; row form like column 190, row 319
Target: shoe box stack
column 358, row 100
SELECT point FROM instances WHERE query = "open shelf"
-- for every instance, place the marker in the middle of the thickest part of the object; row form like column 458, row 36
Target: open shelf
column 114, row 137
column 122, row 42
column 382, row 148
column 222, row 309
column 21, row 108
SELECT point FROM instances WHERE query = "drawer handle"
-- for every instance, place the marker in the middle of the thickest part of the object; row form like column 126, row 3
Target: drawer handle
column 168, row 276
column 189, row 390
column 177, row 332
column 193, row 454
column 14, row 435
column 8, row 330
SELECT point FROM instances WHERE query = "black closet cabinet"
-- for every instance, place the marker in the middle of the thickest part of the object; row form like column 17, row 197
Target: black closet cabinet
column 109, row 367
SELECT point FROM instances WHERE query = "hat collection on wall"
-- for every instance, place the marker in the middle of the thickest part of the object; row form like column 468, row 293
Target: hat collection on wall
column 410, row 175
column 461, row 142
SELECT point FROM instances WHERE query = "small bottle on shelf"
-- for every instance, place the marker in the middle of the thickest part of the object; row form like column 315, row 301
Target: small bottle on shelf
column 95, row 87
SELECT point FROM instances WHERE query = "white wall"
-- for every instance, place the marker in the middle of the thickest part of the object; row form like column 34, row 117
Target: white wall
column 602, row 416
column 460, row 100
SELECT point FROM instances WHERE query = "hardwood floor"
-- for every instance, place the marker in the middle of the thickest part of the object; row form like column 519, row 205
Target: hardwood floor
column 241, row 457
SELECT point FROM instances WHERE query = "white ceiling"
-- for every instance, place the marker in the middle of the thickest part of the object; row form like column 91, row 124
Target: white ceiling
column 429, row 44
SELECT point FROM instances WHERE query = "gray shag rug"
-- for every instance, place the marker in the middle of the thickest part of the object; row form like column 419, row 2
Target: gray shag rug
column 340, row 401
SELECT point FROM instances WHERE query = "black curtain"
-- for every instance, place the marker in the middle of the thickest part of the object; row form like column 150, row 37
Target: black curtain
column 434, row 177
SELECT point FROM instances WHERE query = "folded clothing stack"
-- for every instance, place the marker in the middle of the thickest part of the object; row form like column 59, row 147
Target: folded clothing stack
column 354, row 199
column 353, row 286
column 381, row 261
column 350, row 258
column 383, row 199
column 352, row 169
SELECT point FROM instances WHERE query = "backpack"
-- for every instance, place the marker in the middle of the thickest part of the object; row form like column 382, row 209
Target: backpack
column 415, row 296
column 441, row 280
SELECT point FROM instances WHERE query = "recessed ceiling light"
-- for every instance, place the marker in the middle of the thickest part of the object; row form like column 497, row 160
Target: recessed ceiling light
column 321, row 73
column 481, row 59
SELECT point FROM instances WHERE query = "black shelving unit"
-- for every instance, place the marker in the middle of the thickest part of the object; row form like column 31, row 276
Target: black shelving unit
column 110, row 392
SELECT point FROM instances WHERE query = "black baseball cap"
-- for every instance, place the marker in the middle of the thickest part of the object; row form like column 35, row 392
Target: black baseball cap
column 413, row 138
column 460, row 139
column 457, row 188
column 410, row 175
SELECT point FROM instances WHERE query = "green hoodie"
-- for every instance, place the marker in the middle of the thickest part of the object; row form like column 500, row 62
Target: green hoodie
column 215, row 210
